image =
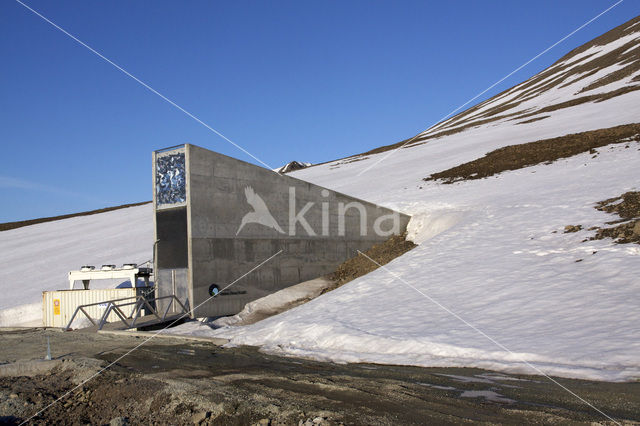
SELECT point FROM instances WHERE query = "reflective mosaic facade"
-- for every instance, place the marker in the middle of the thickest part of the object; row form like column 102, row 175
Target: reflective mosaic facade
column 170, row 179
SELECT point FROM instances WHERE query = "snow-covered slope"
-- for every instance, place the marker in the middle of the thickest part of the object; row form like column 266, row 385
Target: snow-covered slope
column 490, row 255
column 604, row 68
column 38, row 257
column 492, row 251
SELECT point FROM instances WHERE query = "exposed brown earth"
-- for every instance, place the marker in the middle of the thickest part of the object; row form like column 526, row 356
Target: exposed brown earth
column 382, row 253
column 534, row 119
column 171, row 381
column 108, row 396
column 572, row 228
column 19, row 224
column 627, row 229
column 515, row 157
column 600, row 97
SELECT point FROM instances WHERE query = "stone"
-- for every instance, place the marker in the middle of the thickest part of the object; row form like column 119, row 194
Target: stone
column 13, row 396
column 200, row 416
column 119, row 421
column 572, row 228
column 636, row 228
column 264, row 422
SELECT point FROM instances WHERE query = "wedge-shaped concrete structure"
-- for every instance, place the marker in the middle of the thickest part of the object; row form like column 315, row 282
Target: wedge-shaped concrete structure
column 217, row 218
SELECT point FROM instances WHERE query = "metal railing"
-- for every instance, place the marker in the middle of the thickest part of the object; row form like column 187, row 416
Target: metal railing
column 140, row 303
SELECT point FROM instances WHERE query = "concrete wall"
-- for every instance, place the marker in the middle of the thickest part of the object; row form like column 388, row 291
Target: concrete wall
column 219, row 252
column 217, row 202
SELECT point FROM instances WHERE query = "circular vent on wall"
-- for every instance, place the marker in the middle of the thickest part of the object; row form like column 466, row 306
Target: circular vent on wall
column 214, row 290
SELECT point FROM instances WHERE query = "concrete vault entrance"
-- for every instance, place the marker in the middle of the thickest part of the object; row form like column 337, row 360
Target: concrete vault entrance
column 216, row 218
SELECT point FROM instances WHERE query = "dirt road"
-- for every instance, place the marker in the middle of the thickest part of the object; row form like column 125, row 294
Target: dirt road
column 173, row 381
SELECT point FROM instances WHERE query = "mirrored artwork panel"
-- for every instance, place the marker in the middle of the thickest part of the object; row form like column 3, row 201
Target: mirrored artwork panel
column 170, row 179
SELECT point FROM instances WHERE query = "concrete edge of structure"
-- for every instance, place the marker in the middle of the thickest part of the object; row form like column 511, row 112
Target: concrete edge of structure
column 214, row 340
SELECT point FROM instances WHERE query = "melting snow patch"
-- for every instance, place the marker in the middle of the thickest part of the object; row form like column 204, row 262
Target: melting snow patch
column 468, row 379
column 486, row 394
column 438, row 386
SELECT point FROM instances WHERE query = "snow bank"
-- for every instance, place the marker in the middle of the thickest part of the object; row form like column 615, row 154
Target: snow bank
column 38, row 257
column 259, row 309
column 27, row 315
column 276, row 303
column 427, row 221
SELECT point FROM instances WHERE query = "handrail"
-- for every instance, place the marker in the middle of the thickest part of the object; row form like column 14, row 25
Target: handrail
column 140, row 303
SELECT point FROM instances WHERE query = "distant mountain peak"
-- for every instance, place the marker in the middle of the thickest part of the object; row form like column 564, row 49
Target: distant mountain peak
column 292, row 166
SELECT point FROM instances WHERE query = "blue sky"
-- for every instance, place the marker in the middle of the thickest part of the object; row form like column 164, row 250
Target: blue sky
column 308, row 81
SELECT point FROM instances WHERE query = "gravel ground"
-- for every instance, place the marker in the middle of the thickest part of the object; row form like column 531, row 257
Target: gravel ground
column 177, row 381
